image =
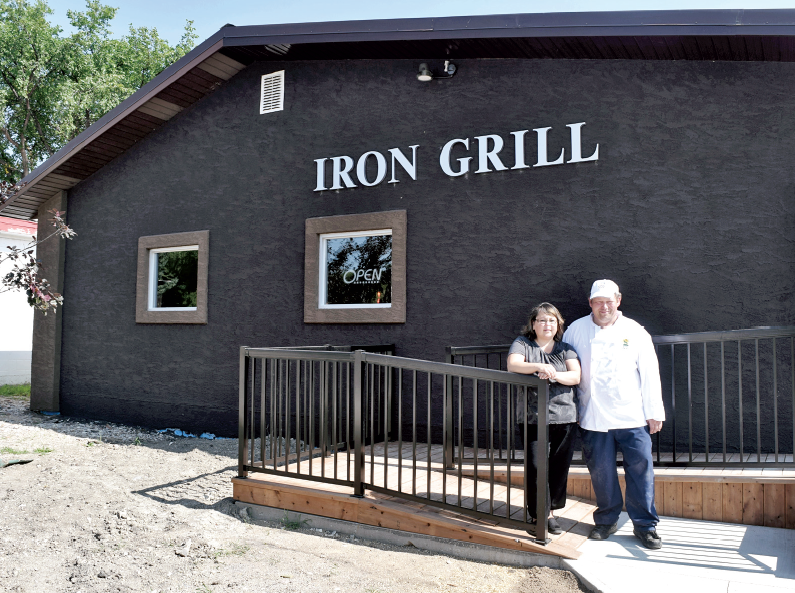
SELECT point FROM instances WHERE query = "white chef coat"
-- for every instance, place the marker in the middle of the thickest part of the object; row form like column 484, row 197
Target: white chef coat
column 620, row 384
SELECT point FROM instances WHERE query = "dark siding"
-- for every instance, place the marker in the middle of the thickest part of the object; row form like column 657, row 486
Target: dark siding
column 690, row 208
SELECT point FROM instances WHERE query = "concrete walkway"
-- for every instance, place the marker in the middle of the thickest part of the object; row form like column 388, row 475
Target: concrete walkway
column 697, row 556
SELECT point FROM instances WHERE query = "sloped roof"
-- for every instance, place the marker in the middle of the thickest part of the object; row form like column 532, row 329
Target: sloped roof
column 729, row 35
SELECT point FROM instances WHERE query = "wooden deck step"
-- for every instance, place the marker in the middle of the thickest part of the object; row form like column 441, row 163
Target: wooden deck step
column 750, row 496
column 661, row 474
column 334, row 501
column 483, row 456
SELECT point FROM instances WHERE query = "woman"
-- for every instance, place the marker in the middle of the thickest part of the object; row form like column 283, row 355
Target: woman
column 539, row 351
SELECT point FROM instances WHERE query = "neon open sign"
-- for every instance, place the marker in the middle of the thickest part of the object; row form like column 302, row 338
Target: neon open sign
column 355, row 270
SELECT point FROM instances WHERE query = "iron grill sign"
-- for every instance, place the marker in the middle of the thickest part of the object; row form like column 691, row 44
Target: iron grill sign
column 455, row 159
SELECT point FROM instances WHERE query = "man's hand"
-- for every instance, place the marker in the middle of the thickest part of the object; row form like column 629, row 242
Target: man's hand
column 654, row 426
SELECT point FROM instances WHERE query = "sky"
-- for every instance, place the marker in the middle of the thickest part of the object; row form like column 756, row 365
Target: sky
column 169, row 16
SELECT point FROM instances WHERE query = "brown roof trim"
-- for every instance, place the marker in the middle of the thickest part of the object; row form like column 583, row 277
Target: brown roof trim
column 127, row 107
column 587, row 35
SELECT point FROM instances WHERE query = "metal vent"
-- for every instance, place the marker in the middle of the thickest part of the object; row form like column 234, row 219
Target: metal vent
column 272, row 92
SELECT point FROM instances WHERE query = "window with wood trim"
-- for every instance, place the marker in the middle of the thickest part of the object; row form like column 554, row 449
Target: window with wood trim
column 355, row 268
column 172, row 278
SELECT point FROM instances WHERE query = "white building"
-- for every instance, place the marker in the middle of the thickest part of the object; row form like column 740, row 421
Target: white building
column 16, row 316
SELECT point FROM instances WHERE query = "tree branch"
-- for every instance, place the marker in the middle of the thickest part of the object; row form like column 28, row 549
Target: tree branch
column 8, row 137
column 11, row 86
column 49, row 147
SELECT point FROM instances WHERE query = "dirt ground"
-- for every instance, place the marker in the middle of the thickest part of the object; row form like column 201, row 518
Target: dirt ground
column 106, row 508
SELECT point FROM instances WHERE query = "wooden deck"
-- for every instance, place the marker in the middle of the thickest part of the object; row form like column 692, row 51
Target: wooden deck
column 396, row 470
column 716, row 458
column 752, row 496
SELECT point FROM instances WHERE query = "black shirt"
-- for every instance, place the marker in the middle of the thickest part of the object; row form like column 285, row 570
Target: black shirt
column 562, row 404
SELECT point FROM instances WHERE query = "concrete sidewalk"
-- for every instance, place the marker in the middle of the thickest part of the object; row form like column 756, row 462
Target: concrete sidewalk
column 697, row 556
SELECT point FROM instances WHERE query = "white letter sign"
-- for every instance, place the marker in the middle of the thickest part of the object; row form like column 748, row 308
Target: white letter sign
column 489, row 148
column 409, row 167
column 576, row 145
column 339, row 174
column 444, row 158
column 542, row 149
column 361, row 168
column 485, row 155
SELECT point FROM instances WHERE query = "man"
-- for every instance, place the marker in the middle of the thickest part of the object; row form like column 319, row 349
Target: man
column 620, row 407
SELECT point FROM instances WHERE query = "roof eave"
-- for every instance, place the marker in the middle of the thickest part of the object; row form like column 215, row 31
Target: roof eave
column 130, row 104
column 773, row 22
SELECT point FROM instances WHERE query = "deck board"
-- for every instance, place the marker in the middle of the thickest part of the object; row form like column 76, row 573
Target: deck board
column 676, row 474
column 289, row 491
column 758, row 495
column 331, row 500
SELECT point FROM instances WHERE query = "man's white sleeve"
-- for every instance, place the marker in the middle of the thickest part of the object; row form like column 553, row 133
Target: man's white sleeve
column 651, row 389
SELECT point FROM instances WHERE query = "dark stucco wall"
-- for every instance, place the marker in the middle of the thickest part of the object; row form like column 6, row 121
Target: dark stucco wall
column 690, row 208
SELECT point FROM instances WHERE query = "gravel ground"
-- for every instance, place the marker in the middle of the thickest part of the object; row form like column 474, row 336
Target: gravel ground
column 111, row 508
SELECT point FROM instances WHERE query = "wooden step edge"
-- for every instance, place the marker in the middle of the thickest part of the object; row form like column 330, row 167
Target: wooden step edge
column 387, row 514
column 660, row 475
column 668, row 476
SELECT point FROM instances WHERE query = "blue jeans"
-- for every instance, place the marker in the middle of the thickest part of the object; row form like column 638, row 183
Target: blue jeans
column 599, row 450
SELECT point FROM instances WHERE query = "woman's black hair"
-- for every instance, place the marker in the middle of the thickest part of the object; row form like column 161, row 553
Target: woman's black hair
column 549, row 309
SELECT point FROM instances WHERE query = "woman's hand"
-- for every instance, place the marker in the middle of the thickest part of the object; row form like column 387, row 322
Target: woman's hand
column 546, row 371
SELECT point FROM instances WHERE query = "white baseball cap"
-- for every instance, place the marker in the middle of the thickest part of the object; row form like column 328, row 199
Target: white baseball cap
column 604, row 288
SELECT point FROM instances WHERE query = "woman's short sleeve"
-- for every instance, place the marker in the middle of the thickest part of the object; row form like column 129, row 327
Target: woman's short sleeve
column 519, row 346
column 568, row 352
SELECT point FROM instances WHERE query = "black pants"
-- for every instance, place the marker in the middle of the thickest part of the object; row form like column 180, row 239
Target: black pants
column 561, row 449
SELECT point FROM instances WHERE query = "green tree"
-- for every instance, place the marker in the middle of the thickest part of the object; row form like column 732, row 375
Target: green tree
column 32, row 66
column 52, row 87
column 177, row 278
column 104, row 71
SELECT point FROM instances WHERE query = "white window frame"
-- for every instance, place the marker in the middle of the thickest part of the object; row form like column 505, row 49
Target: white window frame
column 322, row 279
column 152, row 297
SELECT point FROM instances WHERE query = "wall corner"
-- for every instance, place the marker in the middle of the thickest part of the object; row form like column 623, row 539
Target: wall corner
column 45, row 371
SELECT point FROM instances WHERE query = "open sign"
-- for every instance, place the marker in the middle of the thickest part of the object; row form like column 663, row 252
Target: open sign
column 370, row 276
column 356, row 269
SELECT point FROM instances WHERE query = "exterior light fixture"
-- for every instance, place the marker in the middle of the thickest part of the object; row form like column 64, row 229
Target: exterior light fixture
column 426, row 75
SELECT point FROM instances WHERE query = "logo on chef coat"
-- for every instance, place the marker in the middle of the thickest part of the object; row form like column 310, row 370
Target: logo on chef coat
column 626, row 344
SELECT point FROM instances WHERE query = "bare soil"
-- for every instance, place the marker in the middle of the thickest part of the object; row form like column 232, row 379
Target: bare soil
column 111, row 508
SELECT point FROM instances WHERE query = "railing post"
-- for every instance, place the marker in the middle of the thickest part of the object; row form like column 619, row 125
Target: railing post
column 447, row 429
column 242, row 442
column 358, row 442
column 542, row 463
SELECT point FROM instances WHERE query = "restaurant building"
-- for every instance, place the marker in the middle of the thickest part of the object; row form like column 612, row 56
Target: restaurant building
column 418, row 182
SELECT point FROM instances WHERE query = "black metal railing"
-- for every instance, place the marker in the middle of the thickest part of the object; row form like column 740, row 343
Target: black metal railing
column 378, row 422
column 729, row 396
